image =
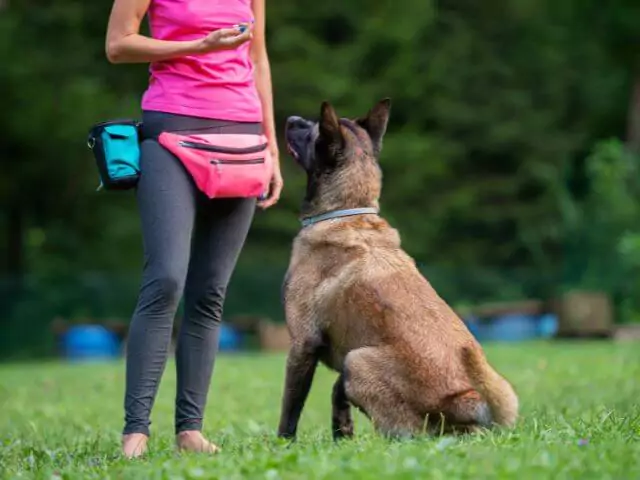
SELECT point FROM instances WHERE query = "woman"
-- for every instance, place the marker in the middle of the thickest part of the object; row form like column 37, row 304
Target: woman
column 209, row 73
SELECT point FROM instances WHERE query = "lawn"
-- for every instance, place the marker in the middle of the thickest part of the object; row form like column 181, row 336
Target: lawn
column 580, row 419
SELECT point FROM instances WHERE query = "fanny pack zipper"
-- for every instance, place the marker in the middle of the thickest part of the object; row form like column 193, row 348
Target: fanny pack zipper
column 212, row 148
column 251, row 161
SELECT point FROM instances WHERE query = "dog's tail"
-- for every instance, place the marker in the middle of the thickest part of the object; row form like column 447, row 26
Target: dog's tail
column 496, row 391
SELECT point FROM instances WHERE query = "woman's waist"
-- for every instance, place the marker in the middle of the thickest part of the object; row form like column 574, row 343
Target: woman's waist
column 188, row 88
column 156, row 122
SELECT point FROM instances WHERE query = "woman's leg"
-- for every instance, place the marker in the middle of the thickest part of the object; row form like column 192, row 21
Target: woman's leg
column 218, row 239
column 221, row 228
column 167, row 204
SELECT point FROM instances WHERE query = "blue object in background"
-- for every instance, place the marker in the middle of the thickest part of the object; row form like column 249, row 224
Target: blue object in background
column 513, row 328
column 547, row 325
column 230, row 339
column 89, row 343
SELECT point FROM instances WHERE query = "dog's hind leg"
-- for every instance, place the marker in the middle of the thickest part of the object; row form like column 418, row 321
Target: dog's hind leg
column 374, row 383
column 341, row 420
column 466, row 412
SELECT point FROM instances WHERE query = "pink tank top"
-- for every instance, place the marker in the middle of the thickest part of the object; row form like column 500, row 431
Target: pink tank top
column 216, row 85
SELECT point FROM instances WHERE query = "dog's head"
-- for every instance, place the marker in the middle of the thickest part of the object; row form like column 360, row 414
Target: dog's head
column 340, row 157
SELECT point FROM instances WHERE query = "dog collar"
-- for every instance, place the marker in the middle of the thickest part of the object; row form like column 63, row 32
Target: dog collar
column 337, row 214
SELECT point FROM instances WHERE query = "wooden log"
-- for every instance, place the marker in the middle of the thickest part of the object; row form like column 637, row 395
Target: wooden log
column 584, row 314
column 273, row 336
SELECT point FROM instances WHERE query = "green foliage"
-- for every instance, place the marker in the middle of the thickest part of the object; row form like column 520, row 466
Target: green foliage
column 603, row 228
column 64, row 421
column 493, row 103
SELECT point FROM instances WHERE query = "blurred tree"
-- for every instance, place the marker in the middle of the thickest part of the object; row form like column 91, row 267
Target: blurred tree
column 496, row 108
column 52, row 93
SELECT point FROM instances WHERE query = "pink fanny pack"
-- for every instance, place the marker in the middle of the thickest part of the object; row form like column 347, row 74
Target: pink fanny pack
column 223, row 165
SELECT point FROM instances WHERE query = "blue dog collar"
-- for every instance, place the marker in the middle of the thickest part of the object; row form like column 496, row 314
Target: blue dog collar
column 338, row 214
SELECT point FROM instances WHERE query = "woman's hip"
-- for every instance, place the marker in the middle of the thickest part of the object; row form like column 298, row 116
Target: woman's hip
column 154, row 123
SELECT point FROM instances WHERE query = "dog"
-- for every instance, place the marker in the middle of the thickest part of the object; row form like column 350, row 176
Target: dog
column 356, row 302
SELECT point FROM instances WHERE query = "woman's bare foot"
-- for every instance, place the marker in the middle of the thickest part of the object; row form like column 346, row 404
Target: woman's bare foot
column 134, row 445
column 194, row 441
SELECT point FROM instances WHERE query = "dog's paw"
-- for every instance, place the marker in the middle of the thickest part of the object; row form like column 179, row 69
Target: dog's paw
column 342, row 431
column 284, row 435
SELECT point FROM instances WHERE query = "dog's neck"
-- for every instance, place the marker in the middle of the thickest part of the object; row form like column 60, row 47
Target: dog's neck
column 333, row 214
column 355, row 186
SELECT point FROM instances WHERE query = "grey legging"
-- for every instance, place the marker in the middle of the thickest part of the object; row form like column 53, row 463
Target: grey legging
column 191, row 244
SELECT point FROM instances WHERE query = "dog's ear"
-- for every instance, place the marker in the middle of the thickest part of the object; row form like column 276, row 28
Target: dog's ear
column 375, row 122
column 329, row 126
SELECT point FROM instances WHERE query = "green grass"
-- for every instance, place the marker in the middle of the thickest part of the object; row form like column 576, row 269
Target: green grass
column 580, row 419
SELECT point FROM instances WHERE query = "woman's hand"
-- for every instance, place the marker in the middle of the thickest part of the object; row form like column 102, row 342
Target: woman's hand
column 276, row 184
column 225, row 39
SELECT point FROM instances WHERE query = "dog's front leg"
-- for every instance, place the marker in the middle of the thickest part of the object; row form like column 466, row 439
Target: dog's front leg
column 301, row 366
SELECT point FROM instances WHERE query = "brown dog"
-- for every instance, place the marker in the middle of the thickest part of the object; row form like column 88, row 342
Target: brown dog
column 355, row 301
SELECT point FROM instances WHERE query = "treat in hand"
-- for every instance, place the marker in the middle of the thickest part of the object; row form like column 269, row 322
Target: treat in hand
column 226, row 38
column 242, row 26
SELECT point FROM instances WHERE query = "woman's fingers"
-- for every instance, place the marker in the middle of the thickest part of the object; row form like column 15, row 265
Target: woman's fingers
column 274, row 193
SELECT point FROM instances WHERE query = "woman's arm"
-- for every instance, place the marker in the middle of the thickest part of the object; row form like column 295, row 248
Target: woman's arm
column 124, row 43
column 260, row 60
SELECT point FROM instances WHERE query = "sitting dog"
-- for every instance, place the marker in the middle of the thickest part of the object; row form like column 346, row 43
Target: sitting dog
column 355, row 301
